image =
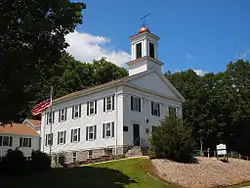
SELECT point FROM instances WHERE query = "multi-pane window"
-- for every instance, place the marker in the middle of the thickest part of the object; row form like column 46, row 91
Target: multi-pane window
column 74, row 156
column 91, row 132
column 135, row 104
column 109, row 103
column 91, row 107
column 90, row 154
column 76, row 111
column 50, row 117
column 63, row 114
column 138, row 50
column 151, row 50
column 49, row 139
column 108, row 129
column 24, row 142
column 75, row 135
column 172, row 112
column 155, row 109
column 6, row 141
column 61, row 137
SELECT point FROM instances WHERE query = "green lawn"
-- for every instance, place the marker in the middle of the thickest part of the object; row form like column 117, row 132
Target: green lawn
column 240, row 185
column 118, row 174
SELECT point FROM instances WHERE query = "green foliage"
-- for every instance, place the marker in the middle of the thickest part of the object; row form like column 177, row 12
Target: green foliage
column 172, row 140
column 40, row 161
column 32, row 40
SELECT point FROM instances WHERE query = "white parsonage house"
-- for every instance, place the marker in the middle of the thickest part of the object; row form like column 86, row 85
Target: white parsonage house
column 112, row 117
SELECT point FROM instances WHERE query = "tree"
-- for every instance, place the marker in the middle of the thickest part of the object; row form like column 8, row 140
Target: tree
column 172, row 140
column 32, row 39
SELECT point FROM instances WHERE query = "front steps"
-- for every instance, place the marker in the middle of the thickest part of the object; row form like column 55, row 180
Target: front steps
column 137, row 151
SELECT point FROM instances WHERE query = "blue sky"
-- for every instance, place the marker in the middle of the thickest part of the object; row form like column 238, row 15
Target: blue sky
column 199, row 34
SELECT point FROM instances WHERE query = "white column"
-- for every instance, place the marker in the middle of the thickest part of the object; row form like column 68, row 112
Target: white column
column 156, row 51
column 145, row 53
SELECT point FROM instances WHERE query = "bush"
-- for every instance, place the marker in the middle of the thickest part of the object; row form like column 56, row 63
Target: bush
column 172, row 140
column 40, row 161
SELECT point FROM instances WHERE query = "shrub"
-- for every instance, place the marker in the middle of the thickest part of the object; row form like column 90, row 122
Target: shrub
column 40, row 160
column 172, row 140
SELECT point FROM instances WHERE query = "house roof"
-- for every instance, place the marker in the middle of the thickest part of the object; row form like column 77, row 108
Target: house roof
column 36, row 123
column 17, row 128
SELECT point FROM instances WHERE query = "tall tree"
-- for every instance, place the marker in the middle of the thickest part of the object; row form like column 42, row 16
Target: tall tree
column 32, row 39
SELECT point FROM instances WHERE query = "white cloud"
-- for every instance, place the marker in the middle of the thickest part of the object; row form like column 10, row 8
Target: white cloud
column 189, row 56
column 244, row 54
column 86, row 47
column 200, row 72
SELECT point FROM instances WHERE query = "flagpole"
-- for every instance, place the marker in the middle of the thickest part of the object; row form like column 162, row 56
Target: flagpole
column 50, row 145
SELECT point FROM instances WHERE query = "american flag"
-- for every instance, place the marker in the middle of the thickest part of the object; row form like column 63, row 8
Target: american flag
column 40, row 108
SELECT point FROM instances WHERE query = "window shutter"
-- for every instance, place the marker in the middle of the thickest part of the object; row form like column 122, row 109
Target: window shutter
column 113, row 102
column 87, row 133
column 132, row 103
column 53, row 117
column 113, row 129
column 10, row 144
column 30, row 142
column 80, row 110
column 1, row 140
column 59, row 117
column 20, row 141
column 139, row 105
column 103, row 130
column 58, row 140
column 71, row 137
column 65, row 114
column 46, row 140
column 88, row 108
column 47, row 118
column 95, row 132
column 64, row 137
column 158, row 109
column 73, row 110
column 104, row 100
column 51, row 139
column 152, row 107
column 95, row 106
column 79, row 134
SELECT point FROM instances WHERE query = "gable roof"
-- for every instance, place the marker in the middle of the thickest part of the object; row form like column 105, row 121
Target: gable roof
column 34, row 122
column 17, row 128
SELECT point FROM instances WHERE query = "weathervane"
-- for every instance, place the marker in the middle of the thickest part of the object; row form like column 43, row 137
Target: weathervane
column 144, row 18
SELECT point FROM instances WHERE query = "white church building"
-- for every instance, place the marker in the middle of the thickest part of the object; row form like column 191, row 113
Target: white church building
column 120, row 114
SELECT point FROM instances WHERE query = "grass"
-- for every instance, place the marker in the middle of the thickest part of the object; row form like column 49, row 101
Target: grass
column 119, row 174
column 240, row 185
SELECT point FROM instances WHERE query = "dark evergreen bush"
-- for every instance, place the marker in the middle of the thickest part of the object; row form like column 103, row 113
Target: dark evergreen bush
column 40, row 161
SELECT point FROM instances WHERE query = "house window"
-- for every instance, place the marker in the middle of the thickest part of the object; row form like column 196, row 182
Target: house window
column 91, row 107
column 91, row 132
column 109, row 103
column 135, row 104
column 61, row 137
column 50, row 117
column 151, row 50
column 63, row 114
column 155, row 109
column 108, row 151
column 76, row 111
column 24, row 142
column 75, row 135
column 49, row 139
column 108, row 129
column 125, row 128
column 6, row 141
column 172, row 112
column 138, row 51
column 74, row 156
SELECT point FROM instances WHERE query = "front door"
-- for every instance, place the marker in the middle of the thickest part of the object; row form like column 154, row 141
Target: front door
column 136, row 131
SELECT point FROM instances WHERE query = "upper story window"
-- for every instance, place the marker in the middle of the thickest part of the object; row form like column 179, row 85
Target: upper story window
column 61, row 137
column 50, row 117
column 151, row 50
column 138, row 50
column 109, row 103
column 91, row 132
column 135, row 104
column 92, row 107
column 76, row 111
column 24, row 142
column 49, row 139
column 155, row 109
column 108, row 129
column 6, row 141
column 172, row 111
column 75, row 135
column 63, row 114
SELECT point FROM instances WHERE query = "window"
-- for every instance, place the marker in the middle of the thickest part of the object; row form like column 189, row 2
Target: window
column 90, row 154
column 63, row 114
column 50, row 117
column 125, row 128
column 91, row 132
column 135, row 104
column 138, row 51
column 24, row 142
column 49, row 139
column 91, row 107
column 74, row 156
column 155, row 109
column 61, row 137
column 151, row 50
column 108, row 151
column 109, row 103
column 108, row 129
column 76, row 111
column 75, row 135
column 172, row 112
column 6, row 141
